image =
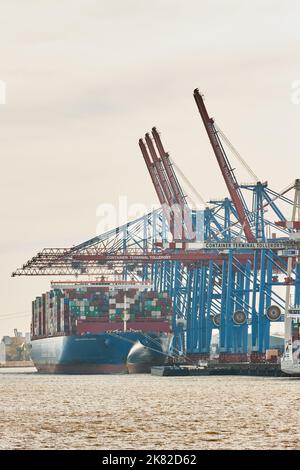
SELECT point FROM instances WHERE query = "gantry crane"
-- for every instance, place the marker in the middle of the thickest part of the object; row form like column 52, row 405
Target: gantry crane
column 227, row 286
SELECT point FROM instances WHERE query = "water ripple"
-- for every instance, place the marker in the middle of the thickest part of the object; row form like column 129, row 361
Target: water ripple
column 144, row 412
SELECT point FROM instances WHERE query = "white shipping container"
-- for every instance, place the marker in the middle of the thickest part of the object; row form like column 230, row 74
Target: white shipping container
column 155, row 314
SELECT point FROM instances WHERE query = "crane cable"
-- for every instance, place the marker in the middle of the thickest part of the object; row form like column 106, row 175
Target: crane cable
column 7, row 316
column 236, row 153
column 281, row 193
column 186, row 180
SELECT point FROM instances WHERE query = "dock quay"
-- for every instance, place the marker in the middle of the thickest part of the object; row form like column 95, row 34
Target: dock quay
column 242, row 368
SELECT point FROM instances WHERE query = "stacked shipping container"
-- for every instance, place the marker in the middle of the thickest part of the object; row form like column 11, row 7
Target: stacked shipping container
column 58, row 311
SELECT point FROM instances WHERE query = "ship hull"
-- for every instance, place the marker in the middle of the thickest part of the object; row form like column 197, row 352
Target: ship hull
column 290, row 363
column 290, row 369
column 81, row 369
column 102, row 353
column 148, row 353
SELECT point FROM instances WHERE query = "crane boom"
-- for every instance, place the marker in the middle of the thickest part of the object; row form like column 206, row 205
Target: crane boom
column 177, row 190
column 224, row 165
column 160, row 171
column 165, row 179
column 152, row 173
column 181, row 209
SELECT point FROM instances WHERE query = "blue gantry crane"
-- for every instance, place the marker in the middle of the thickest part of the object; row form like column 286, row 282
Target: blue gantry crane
column 225, row 267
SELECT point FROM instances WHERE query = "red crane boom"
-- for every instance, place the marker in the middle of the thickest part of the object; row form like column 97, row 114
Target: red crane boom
column 177, row 190
column 153, row 173
column 224, row 165
column 182, row 211
column 164, row 179
column 160, row 171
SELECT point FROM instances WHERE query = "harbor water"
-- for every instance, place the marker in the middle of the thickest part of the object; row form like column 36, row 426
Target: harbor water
column 147, row 412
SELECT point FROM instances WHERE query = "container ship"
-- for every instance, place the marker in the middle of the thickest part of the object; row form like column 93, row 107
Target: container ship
column 100, row 328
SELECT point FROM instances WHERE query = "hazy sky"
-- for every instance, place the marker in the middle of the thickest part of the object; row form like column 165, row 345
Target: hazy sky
column 85, row 79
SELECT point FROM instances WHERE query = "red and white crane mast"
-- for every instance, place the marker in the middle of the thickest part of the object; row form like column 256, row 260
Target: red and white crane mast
column 225, row 167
